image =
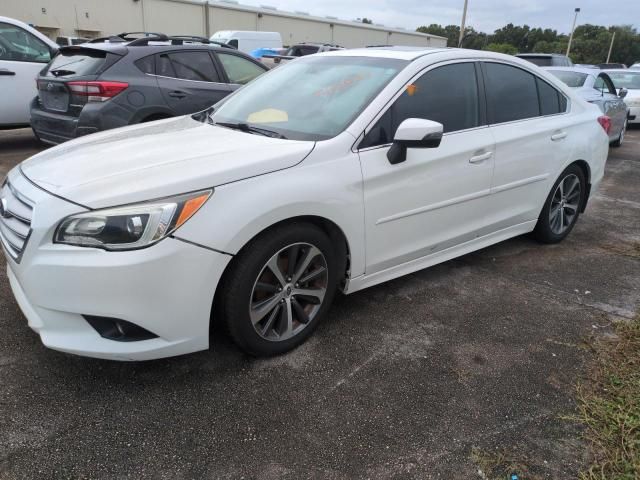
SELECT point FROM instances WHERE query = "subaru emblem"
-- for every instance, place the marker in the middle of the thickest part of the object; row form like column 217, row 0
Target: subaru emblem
column 50, row 86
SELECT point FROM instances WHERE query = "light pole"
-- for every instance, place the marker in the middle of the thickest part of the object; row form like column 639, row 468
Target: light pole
column 462, row 25
column 613, row 39
column 575, row 19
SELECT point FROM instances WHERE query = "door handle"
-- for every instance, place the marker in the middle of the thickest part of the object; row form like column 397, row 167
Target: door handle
column 6, row 73
column 480, row 158
column 558, row 136
column 177, row 94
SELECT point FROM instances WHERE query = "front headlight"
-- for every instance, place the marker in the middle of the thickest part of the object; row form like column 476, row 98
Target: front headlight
column 132, row 226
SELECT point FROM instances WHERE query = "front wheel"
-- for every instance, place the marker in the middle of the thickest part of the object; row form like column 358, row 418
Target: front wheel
column 562, row 207
column 279, row 288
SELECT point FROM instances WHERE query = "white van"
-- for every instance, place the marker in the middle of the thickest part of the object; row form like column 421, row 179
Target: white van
column 24, row 51
column 248, row 41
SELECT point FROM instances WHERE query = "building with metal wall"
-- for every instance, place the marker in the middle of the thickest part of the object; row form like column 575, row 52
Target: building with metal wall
column 92, row 18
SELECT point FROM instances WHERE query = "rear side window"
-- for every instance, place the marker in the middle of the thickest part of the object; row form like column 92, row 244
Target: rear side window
column 239, row 70
column 550, row 103
column 146, row 65
column 76, row 62
column 196, row 66
column 447, row 94
column 512, row 93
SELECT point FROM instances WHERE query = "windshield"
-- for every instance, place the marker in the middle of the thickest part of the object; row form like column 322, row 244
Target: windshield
column 312, row 98
column 628, row 80
column 572, row 79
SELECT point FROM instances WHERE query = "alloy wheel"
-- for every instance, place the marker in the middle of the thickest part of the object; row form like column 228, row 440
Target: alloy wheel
column 564, row 204
column 288, row 292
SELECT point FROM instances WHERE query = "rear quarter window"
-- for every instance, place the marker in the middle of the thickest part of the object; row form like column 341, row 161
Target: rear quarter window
column 146, row 65
column 76, row 62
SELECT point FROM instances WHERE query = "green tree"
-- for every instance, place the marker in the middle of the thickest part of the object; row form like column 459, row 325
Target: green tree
column 367, row 20
column 502, row 48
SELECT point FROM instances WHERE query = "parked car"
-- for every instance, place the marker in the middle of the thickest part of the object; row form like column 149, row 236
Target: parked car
column 248, row 41
column 596, row 87
column 24, row 51
column 107, row 84
column 629, row 81
column 547, row 59
column 66, row 41
column 300, row 50
column 611, row 66
column 635, row 66
column 336, row 171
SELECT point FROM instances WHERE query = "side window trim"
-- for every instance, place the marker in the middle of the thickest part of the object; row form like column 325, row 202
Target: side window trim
column 482, row 114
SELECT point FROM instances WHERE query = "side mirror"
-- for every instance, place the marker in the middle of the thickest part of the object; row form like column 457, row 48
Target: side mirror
column 623, row 92
column 414, row 133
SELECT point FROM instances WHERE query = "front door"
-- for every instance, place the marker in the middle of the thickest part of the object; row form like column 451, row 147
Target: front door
column 435, row 199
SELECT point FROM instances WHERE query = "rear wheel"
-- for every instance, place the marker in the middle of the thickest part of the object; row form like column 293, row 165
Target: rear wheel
column 562, row 207
column 279, row 288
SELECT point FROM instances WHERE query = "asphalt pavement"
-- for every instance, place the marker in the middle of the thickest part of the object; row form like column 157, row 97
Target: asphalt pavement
column 404, row 380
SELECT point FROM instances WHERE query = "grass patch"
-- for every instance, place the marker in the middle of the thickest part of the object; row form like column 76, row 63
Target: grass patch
column 609, row 405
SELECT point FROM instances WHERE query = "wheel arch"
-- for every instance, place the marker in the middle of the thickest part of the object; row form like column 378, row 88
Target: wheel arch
column 584, row 166
column 334, row 232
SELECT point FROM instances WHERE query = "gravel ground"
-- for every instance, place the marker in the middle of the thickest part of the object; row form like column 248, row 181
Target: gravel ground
column 404, row 380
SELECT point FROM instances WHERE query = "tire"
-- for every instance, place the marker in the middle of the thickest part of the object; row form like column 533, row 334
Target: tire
column 620, row 140
column 562, row 208
column 264, row 321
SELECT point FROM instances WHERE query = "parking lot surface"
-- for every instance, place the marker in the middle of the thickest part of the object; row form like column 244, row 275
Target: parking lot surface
column 404, row 380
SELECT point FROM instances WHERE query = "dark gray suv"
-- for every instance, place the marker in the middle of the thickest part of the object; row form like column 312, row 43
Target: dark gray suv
column 118, row 81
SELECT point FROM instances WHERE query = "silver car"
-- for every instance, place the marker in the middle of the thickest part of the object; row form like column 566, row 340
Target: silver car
column 595, row 86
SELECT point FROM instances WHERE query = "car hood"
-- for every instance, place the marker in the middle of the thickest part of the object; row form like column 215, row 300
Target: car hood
column 157, row 159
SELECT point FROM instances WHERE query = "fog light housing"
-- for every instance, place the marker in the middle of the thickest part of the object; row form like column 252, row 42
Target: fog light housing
column 118, row 330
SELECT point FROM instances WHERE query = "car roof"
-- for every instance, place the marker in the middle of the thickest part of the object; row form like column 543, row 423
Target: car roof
column 122, row 48
column 540, row 55
column 410, row 53
column 586, row 70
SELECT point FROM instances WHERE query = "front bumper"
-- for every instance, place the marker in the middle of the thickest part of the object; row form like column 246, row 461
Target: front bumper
column 167, row 289
column 634, row 115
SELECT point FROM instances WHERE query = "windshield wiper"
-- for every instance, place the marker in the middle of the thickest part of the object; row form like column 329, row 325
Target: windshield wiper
column 245, row 127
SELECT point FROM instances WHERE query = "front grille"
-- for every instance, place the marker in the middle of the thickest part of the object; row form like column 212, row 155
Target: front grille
column 16, row 212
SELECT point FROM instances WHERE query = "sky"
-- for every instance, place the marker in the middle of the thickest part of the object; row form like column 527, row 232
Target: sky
column 483, row 15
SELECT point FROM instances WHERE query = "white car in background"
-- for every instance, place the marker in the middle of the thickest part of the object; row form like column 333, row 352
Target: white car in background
column 629, row 80
column 24, row 51
column 338, row 171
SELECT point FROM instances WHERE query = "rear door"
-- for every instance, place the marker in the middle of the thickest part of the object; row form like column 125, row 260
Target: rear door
column 22, row 56
column 533, row 135
column 238, row 69
column 189, row 80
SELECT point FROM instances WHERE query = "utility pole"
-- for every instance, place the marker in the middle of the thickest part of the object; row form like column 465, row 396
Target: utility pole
column 613, row 39
column 575, row 19
column 464, row 21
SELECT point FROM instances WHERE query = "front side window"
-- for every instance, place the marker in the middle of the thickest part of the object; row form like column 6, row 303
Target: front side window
column 448, row 95
column 19, row 45
column 196, row 66
column 512, row 93
column 239, row 70
column 604, row 85
column 313, row 98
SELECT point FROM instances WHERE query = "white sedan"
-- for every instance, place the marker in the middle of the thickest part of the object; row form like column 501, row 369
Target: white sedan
column 338, row 171
column 629, row 80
